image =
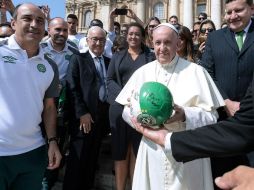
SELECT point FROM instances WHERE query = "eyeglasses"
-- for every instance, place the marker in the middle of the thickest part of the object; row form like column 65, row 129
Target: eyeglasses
column 201, row 18
column 100, row 40
column 203, row 30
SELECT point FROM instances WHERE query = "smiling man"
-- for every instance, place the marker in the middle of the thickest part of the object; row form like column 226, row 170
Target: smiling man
column 197, row 98
column 59, row 49
column 29, row 81
column 89, row 116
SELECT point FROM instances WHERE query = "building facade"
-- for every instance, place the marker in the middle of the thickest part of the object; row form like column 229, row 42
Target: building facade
column 186, row 10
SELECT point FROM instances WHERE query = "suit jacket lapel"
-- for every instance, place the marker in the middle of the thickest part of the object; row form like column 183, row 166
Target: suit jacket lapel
column 106, row 62
column 249, row 38
column 91, row 62
column 230, row 38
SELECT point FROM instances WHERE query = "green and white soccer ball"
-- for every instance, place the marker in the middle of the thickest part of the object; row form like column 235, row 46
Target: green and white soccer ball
column 156, row 104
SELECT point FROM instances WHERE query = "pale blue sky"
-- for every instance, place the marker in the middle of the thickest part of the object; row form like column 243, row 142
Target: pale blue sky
column 57, row 7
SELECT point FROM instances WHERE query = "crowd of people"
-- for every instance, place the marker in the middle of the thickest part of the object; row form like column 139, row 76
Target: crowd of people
column 62, row 92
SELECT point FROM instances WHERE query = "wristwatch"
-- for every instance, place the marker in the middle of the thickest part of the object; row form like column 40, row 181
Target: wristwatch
column 52, row 139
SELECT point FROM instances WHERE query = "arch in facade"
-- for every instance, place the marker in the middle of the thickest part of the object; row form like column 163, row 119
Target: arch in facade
column 87, row 17
column 158, row 10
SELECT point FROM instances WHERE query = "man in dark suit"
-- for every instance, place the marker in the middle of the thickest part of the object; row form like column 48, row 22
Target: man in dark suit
column 228, row 57
column 86, row 83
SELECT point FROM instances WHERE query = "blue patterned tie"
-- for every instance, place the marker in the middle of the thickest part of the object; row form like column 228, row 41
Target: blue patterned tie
column 103, row 89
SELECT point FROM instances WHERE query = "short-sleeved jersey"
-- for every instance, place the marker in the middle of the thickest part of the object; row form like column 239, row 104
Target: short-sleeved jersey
column 24, row 84
column 61, row 58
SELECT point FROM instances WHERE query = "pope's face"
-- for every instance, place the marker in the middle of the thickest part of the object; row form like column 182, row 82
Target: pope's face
column 166, row 42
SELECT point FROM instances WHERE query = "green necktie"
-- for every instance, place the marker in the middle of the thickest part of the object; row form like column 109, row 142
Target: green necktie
column 239, row 39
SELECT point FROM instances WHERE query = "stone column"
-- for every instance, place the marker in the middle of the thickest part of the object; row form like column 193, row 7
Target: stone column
column 141, row 9
column 174, row 8
column 188, row 13
column 216, row 13
column 80, row 18
column 105, row 10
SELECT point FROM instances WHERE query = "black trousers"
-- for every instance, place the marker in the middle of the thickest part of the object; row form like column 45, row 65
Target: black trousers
column 84, row 151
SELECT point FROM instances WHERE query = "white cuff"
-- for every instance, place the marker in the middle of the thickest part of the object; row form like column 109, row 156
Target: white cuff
column 167, row 143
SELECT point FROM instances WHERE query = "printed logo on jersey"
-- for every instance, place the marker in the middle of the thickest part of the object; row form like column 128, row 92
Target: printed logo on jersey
column 49, row 55
column 67, row 57
column 9, row 59
column 41, row 68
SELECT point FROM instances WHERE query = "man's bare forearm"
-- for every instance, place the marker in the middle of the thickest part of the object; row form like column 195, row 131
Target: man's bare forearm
column 49, row 117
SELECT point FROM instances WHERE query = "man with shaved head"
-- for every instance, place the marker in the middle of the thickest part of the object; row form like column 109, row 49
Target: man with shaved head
column 196, row 99
column 86, row 86
column 29, row 84
column 59, row 49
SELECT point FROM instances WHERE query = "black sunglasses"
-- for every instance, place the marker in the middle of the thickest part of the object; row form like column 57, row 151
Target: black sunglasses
column 203, row 30
column 201, row 18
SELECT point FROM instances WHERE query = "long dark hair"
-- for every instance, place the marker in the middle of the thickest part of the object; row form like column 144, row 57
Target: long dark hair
column 185, row 34
column 148, row 39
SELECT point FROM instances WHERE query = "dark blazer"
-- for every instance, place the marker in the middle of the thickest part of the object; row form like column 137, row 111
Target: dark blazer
column 114, row 82
column 83, row 91
column 230, row 69
column 83, row 83
column 226, row 138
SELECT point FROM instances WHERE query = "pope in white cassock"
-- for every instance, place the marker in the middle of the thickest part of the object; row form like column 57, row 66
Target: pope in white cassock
column 196, row 99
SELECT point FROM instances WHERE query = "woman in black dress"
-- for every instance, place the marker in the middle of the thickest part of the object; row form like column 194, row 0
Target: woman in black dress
column 125, row 140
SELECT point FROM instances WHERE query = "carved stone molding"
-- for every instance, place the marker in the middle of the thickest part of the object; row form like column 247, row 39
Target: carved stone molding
column 104, row 2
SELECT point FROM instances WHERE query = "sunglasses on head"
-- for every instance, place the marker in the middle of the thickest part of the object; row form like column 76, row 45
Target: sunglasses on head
column 203, row 30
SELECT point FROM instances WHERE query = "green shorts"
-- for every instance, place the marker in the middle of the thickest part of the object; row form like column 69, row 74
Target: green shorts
column 23, row 171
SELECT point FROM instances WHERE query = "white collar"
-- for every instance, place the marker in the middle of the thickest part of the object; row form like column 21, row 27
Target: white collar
column 170, row 64
column 12, row 44
column 93, row 55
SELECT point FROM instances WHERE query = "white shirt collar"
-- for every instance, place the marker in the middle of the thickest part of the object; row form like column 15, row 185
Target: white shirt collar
column 93, row 55
column 12, row 44
column 170, row 64
column 246, row 29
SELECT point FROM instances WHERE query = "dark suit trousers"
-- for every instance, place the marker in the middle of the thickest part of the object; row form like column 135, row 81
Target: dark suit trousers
column 84, row 151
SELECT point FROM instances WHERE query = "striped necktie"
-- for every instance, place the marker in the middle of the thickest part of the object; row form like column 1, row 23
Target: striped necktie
column 103, row 90
column 239, row 39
